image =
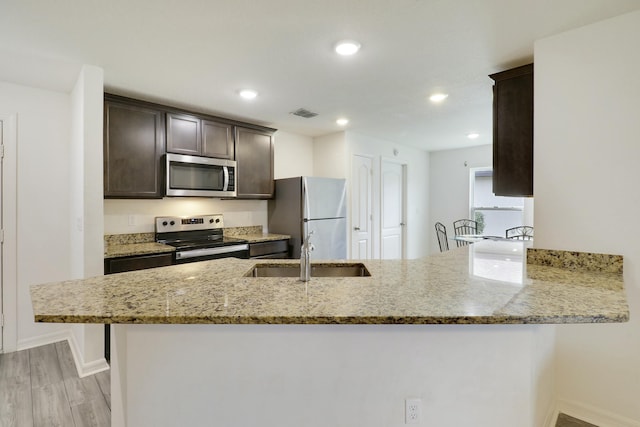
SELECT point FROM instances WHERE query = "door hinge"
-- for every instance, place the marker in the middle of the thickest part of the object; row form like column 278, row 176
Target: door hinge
column 1, row 320
column 1, row 151
column 1, row 236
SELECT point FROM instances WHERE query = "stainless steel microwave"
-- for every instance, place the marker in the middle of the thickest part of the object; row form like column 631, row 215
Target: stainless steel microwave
column 200, row 176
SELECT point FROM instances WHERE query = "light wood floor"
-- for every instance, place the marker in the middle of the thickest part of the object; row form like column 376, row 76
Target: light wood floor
column 41, row 387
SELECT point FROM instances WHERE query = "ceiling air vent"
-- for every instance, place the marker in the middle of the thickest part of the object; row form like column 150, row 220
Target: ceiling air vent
column 304, row 113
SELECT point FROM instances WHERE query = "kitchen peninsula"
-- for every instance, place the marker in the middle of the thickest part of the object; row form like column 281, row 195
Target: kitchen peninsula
column 204, row 344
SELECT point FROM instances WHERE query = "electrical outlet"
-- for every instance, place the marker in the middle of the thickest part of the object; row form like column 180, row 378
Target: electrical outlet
column 131, row 220
column 412, row 411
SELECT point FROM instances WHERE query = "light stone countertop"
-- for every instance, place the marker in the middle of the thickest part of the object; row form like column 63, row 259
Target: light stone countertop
column 262, row 237
column 120, row 245
column 484, row 283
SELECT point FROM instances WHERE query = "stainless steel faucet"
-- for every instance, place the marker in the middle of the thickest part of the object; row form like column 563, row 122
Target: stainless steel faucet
column 305, row 263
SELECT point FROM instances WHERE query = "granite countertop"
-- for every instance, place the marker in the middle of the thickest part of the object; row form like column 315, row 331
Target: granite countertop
column 262, row 237
column 119, row 245
column 484, row 283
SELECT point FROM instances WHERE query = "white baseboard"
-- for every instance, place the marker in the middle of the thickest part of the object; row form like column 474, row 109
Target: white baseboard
column 591, row 414
column 45, row 339
column 552, row 416
column 83, row 367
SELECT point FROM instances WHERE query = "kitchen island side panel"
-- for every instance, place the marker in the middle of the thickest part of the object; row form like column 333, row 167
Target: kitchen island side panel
column 323, row 375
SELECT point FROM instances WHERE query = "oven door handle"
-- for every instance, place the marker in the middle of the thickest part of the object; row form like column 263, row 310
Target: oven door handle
column 211, row 251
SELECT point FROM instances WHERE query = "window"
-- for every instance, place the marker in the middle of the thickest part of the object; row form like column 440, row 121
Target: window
column 494, row 214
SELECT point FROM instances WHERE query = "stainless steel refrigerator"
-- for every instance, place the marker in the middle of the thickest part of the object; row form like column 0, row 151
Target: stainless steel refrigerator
column 304, row 204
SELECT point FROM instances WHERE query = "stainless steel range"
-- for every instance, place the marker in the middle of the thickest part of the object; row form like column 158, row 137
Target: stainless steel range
column 199, row 238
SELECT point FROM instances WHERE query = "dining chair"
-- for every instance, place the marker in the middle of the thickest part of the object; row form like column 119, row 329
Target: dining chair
column 441, row 233
column 523, row 232
column 464, row 226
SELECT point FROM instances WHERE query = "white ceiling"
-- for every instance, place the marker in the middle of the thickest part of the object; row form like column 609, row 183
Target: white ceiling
column 199, row 53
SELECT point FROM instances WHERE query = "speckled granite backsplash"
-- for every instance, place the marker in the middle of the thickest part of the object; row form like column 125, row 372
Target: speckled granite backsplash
column 575, row 260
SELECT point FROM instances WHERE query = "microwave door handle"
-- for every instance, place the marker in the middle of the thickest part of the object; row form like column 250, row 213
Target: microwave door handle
column 226, row 178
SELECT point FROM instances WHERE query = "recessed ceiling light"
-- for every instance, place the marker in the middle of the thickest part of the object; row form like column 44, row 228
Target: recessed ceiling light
column 438, row 97
column 473, row 135
column 248, row 93
column 347, row 47
column 342, row 121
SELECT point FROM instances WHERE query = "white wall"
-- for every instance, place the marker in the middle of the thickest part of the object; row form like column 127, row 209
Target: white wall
column 449, row 186
column 86, row 216
column 330, row 158
column 293, row 155
column 43, row 235
column 123, row 216
column 587, row 122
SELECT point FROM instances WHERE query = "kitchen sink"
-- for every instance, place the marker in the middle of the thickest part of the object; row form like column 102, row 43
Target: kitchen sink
column 317, row 270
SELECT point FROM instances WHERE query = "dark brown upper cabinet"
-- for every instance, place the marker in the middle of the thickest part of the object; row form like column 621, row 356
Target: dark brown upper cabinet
column 133, row 147
column 254, row 154
column 513, row 132
column 218, row 140
column 196, row 136
column 183, row 134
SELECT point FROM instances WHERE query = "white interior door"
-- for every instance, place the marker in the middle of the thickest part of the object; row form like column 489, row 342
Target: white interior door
column 361, row 206
column 392, row 199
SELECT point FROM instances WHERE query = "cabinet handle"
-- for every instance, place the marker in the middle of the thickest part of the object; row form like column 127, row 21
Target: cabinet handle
column 356, row 228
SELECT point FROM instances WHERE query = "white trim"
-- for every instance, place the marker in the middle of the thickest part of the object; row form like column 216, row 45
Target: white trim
column 552, row 416
column 44, row 339
column 9, row 225
column 592, row 414
column 84, row 368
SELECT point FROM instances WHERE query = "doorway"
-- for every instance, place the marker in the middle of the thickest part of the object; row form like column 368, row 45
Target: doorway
column 361, row 207
column 392, row 209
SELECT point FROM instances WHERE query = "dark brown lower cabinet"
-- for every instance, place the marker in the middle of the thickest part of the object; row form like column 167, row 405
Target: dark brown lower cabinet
column 131, row 263
column 137, row 262
column 273, row 249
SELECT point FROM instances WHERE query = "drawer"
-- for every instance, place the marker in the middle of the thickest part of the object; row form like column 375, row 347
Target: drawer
column 261, row 249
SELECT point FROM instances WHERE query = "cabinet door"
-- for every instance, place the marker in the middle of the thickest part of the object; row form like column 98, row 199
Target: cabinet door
column 138, row 262
column 254, row 154
column 513, row 132
column 274, row 249
column 183, row 134
column 218, row 140
column 133, row 147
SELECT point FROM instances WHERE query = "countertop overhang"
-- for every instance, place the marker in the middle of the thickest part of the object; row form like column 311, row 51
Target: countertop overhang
column 484, row 283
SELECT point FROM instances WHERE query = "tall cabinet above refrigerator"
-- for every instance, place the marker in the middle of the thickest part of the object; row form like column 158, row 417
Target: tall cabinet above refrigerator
column 305, row 204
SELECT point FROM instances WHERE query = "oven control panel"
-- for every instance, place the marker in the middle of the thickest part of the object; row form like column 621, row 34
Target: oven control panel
column 168, row 224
